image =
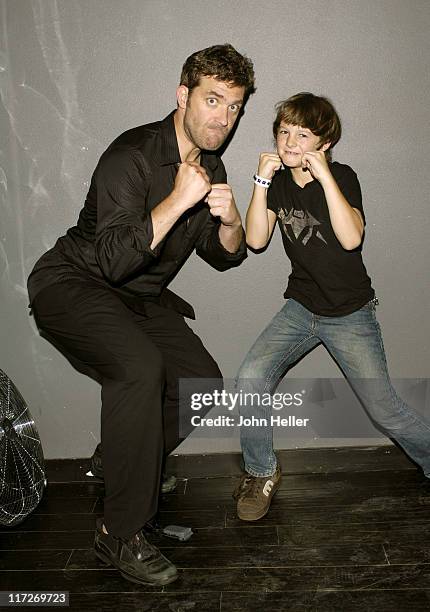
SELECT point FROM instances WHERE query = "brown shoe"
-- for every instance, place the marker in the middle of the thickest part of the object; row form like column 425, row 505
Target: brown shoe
column 254, row 495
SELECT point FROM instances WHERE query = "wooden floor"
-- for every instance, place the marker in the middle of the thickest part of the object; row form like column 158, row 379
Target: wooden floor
column 348, row 530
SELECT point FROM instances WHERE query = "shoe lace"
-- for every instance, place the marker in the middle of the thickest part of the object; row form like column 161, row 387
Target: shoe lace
column 140, row 546
column 249, row 487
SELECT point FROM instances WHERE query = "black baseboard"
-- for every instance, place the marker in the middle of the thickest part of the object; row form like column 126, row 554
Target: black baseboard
column 297, row 461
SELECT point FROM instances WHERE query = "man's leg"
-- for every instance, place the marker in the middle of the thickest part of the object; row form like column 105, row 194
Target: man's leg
column 355, row 342
column 185, row 357
column 92, row 327
column 168, row 482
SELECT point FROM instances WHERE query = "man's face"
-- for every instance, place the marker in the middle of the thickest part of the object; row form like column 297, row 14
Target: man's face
column 293, row 140
column 211, row 110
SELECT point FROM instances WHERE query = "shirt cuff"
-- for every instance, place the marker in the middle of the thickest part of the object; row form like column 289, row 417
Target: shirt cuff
column 155, row 252
column 237, row 255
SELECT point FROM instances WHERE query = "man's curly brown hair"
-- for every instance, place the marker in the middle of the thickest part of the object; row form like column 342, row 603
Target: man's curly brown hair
column 222, row 62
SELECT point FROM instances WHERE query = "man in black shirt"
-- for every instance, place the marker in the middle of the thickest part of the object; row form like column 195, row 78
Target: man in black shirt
column 100, row 294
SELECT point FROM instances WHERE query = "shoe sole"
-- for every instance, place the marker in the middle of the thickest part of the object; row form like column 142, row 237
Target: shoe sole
column 108, row 561
column 249, row 519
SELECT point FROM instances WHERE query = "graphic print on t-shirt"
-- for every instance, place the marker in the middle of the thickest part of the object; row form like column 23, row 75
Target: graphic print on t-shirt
column 299, row 225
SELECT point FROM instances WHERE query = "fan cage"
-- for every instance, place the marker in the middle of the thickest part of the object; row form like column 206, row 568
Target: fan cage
column 22, row 473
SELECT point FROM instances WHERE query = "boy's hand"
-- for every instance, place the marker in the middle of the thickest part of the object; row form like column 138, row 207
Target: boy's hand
column 316, row 163
column 268, row 164
column 221, row 204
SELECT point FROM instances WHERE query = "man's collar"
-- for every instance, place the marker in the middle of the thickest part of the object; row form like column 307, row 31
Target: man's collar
column 169, row 144
column 170, row 150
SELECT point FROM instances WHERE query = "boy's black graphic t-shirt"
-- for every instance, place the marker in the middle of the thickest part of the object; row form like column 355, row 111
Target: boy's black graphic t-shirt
column 325, row 278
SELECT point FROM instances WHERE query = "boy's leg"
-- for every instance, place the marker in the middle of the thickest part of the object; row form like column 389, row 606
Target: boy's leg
column 355, row 342
column 288, row 337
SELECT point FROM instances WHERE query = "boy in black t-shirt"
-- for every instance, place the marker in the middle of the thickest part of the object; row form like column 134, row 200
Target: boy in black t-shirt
column 330, row 299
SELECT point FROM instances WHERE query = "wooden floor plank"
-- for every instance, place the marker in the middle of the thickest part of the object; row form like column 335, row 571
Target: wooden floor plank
column 146, row 602
column 260, row 556
column 34, row 559
column 239, row 580
column 370, row 512
column 56, row 540
column 296, row 461
column 329, row 601
column 316, row 534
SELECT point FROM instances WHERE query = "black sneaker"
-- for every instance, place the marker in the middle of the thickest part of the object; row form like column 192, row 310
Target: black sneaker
column 168, row 482
column 254, row 494
column 96, row 462
column 135, row 558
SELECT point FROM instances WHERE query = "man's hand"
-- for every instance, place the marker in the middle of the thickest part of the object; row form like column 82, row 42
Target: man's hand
column 221, row 204
column 316, row 163
column 192, row 184
column 268, row 164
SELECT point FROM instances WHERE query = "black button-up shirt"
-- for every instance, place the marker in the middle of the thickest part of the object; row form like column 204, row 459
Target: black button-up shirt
column 110, row 243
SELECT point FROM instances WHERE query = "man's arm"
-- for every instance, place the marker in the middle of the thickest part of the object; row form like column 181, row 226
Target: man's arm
column 128, row 237
column 222, row 205
column 231, row 236
column 210, row 248
column 191, row 186
column 222, row 242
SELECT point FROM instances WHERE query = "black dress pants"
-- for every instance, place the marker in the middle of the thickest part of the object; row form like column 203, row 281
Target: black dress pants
column 137, row 359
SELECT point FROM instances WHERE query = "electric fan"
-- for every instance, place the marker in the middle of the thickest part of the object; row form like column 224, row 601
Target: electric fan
column 22, row 473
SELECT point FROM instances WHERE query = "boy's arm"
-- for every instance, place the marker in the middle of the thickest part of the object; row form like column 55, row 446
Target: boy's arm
column 347, row 222
column 259, row 220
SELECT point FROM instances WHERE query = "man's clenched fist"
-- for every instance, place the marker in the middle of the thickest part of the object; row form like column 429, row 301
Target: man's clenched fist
column 191, row 184
column 221, row 204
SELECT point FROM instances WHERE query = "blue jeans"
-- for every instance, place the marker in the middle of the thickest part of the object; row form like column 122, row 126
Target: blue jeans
column 355, row 343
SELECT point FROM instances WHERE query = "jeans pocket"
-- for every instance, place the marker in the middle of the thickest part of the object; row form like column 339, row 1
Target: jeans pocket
column 372, row 304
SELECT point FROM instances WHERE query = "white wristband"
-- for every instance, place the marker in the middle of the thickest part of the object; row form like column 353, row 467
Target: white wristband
column 259, row 180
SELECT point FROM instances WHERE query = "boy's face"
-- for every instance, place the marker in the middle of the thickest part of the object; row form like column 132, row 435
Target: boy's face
column 293, row 140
